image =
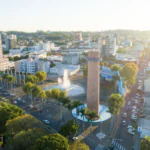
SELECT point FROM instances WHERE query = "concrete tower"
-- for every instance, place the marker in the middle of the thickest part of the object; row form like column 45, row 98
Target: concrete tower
column 93, row 80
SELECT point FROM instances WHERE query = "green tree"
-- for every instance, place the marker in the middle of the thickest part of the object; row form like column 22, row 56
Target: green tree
column 49, row 94
column 41, row 75
column 145, row 143
column 129, row 72
column 27, row 87
column 115, row 102
column 85, row 71
column 25, row 140
column 42, row 95
column 115, row 67
column 52, row 142
column 36, row 91
column 7, row 112
column 83, row 114
column 91, row 115
column 69, row 129
column 79, row 146
column 32, row 79
column 76, row 104
column 20, row 123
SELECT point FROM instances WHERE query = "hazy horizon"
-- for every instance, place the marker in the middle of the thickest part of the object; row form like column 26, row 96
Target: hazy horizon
column 69, row 15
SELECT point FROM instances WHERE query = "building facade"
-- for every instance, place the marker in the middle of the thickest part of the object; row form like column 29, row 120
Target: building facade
column 93, row 81
column 4, row 62
column 11, row 42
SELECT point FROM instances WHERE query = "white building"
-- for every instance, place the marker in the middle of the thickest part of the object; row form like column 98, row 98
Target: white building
column 15, row 51
column 31, row 66
column 39, row 46
column 55, row 58
column 43, row 66
column 110, row 45
column 48, row 46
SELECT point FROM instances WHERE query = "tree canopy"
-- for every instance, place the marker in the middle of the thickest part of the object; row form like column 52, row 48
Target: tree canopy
column 7, row 112
column 41, row 75
column 85, row 71
column 32, row 79
column 115, row 102
column 69, row 129
column 79, row 146
column 129, row 72
column 115, row 67
column 27, row 87
column 52, row 142
column 145, row 143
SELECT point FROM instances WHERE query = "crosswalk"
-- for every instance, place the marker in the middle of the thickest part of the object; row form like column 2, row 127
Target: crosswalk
column 117, row 145
column 99, row 147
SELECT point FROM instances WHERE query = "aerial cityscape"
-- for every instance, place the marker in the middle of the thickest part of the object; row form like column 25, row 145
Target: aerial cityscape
column 74, row 75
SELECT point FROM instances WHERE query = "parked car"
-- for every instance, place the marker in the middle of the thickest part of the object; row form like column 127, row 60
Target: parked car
column 131, row 132
column 75, row 138
column 129, row 103
column 125, row 115
column 142, row 116
column 124, row 123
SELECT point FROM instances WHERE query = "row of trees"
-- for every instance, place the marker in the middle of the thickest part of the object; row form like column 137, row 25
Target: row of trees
column 23, row 131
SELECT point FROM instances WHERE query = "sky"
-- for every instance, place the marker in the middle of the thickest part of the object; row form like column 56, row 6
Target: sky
column 74, row 15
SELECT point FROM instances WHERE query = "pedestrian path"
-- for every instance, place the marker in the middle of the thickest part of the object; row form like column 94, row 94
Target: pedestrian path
column 117, row 145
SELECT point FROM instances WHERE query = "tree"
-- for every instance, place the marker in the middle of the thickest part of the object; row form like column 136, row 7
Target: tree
column 52, row 142
column 115, row 67
column 79, row 146
column 27, row 87
column 145, row 143
column 49, row 94
column 129, row 72
column 91, row 115
column 76, row 104
column 36, row 91
column 85, row 71
column 69, row 129
column 83, row 60
column 83, row 113
column 20, row 123
column 115, row 102
column 32, row 79
column 41, row 75
column 25, row 140
column 56, row 93
column 42, row 95
column 7, row 112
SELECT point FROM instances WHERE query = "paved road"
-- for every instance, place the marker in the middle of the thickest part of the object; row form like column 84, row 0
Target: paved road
column 129, row 140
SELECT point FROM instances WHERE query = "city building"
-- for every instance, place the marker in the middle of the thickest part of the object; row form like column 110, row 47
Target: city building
column 47, row 46
column 43, row 66
column 31, row 66
column 4, row 62
column 101, row 46
column 78, row 36
column 93, row 80
column 71, row 59
column 110, row 45
column 11, row 42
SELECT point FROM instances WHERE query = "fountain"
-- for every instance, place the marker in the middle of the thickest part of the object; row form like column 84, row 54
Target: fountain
column 65, row 85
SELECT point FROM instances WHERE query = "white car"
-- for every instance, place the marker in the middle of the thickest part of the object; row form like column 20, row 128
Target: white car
column 19, row 99
column 131, row 128
column 75, row 138
column 131, row 132
column 134, row 111
column 129, row 103
column 46, row 121
column 125, row 115
column 134, row 107
column 15, row 102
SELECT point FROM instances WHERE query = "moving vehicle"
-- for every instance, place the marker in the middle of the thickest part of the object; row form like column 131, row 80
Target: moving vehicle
column 124, row 123
column 131, row 132
column 129, row 103
column 125, row 115
column 46, row 121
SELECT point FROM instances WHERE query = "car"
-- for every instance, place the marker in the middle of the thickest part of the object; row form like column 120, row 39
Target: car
column 125, row 115
column 15, row 102
column 131, row 132
column 131, row 128
column 75, row 138
column 129, row 103
column 127, row 108
column 124, row 123
column 19, row 99
column 46, row 121
column 134, row 107
column 134, row 111
column 23, row 101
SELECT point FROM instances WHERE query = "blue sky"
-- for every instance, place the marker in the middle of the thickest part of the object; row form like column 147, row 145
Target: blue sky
column 73, row 15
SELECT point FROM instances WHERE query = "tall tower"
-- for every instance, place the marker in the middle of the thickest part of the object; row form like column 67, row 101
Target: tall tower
column 93, row 80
